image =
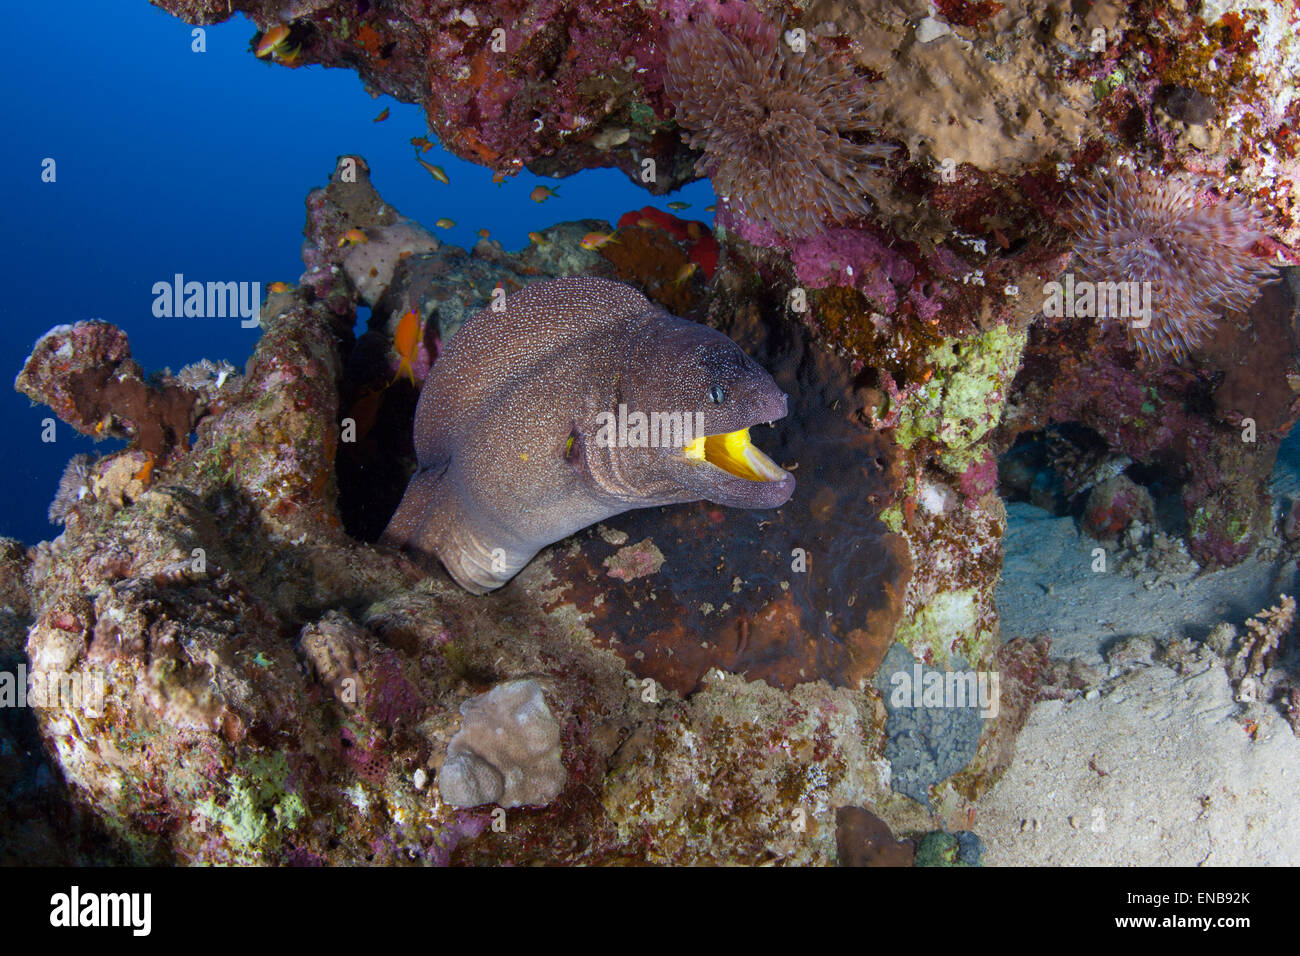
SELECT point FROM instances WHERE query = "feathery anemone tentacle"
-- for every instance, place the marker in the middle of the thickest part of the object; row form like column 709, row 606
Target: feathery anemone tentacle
column 1133, row 227
column 774, row 124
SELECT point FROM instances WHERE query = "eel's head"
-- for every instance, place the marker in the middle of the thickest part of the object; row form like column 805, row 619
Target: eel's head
column 722, row 392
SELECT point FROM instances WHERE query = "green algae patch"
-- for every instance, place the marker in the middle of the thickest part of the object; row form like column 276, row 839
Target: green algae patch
column 290, row 811
column 241, row 819
column 257, row 807
column 892, row 518
column 949, row 618
column 963, row 401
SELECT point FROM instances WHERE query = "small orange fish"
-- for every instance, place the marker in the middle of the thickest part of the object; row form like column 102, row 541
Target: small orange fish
column 436, row 172
column 353, row 237
column 542, row 193
column 541, row 241
column 407, row 342
column 679, row 206
column 383, row 115
column 712, row 208
column 595, row 240
column 483, row 233
column 277, row 287
column 273, row 41
column 444, row 223
column 421, row 143
column 145, row 473
column 685, row 273
column 647, row 224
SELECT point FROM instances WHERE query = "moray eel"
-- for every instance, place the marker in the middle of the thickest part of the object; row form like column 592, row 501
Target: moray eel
column 519, row 430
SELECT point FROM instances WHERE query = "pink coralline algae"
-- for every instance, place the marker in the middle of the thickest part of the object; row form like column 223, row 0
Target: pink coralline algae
column 849, row 257
column 979, row 479
column 779, row 123
column 861, row 260
column 1196, row 257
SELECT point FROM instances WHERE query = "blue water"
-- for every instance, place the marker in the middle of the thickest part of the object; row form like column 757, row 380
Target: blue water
column 170, row 160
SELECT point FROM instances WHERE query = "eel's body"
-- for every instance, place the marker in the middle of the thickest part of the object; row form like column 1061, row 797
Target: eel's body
column 527, row 430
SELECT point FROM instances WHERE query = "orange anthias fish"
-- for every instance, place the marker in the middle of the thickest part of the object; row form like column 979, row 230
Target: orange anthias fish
column 542, row 193
column 437, row 172
column 595, row 240
column 145, row 474
column 273, row 41
column 278, row 287
column 383, row 115
column 406, row 340
column 685, row 273
column 421, row 143
column 353, row 237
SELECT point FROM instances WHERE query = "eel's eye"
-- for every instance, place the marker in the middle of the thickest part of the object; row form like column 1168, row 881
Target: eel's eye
column 716, row 394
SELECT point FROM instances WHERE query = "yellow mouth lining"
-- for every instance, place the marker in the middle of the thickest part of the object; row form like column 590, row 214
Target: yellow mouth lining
column 735, row 454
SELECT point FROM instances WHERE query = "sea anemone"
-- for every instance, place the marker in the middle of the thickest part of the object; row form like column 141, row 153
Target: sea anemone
column 782, row 131
column 1135, row 227
column 73, row 487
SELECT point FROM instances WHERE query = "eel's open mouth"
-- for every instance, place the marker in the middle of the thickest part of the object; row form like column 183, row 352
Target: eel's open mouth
column 735, row 454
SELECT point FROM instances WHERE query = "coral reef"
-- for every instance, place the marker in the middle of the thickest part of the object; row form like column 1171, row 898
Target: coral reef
column 1000, row 113
column 219, row 740
column 554, row 85
column 184, row 598
column 507, row 750
column 1212, row 429
column 279, row 691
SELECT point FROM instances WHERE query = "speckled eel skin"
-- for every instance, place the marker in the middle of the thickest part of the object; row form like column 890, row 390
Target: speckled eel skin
column 527, row 429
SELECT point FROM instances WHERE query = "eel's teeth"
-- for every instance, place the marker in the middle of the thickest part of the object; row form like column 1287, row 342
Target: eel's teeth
column 762, row 465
